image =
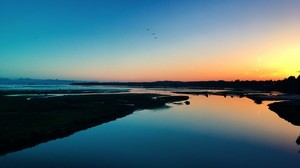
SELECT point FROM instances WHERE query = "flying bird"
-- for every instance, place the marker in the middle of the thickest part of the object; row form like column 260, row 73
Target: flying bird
column 153, row 33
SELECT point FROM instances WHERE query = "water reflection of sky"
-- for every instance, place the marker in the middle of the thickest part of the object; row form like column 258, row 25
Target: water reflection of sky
column 238, row 118
column 210, row 132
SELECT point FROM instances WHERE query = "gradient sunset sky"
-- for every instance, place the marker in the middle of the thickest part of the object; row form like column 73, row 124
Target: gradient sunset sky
column 150, row 40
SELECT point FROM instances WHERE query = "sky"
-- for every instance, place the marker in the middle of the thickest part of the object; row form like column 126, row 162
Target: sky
column 150, row 40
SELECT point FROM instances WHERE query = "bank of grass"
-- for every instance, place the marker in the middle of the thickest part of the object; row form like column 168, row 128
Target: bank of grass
column 288, row 110
column 25, row 123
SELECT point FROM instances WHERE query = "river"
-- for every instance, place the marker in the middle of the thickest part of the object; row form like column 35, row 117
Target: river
column 212, row 131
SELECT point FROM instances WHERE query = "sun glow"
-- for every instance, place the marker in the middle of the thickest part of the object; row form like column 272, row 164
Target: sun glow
column 283, row 62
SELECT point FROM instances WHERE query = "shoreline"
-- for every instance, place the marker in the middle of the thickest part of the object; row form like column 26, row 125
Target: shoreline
column 288, row 110
column 26, row 123
column 287, row 105
column 35, row 117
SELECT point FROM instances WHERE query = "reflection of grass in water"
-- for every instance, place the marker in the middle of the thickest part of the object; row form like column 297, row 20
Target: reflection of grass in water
column 298, row 140
column 26, row 123
column 289, row 111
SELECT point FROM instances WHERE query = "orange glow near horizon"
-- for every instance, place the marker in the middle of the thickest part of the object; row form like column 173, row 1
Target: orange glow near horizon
column 271, row 64
column 177, row 41
column 264, row 61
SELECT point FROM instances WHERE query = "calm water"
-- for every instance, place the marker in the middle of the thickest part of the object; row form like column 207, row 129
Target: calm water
column 211, row 132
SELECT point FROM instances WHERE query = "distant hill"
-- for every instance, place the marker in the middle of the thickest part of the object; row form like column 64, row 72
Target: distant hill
column 288, row 85
column 29, row 81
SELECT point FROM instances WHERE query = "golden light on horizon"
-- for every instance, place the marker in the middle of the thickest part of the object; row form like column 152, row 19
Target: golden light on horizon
column 283, row 62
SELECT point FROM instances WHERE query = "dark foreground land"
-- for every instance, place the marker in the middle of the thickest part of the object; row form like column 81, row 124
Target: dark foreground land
column 27, row 122
column 288, row 110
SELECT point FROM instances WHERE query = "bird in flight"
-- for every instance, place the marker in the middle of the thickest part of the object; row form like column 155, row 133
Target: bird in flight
column 153, row 33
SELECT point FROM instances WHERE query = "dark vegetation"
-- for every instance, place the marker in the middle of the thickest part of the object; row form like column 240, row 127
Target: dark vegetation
column 288, row 85
column 25, row 123
column 288, row 110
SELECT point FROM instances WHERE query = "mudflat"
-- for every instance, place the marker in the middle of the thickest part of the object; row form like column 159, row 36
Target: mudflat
column 27, row 122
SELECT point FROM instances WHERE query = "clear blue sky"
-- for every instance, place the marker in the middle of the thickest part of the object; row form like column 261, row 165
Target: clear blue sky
column 108, row 39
